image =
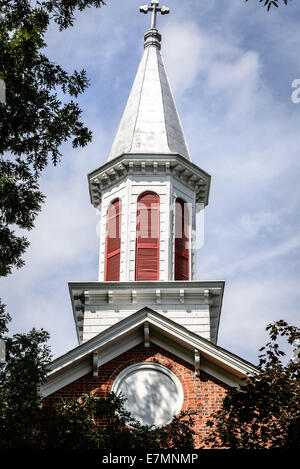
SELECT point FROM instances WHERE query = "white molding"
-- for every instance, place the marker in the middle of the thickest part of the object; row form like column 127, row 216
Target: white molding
column 186, row 172
column 95, row 364
column 197, row 362
column 146, row 334
column 130, row 332
column 66, row 376
column 190, row 295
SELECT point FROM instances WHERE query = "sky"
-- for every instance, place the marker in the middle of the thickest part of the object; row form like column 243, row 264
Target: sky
column 231, row 66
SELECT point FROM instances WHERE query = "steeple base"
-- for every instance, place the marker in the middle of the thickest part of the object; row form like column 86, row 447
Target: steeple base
column 195, row 305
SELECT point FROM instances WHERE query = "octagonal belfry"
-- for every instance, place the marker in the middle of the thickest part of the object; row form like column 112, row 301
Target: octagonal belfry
column 149, row 153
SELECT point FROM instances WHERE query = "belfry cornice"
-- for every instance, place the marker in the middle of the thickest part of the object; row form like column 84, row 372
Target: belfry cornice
column 127, row 164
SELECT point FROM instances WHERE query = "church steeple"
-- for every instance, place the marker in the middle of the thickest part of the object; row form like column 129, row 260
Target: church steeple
column 148, row 174
column 147, row 327
column 150, row 123
column 148, row 193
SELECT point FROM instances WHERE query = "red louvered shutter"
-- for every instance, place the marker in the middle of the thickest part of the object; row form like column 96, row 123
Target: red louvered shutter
column 147, row 237
column 182, row 249
column 113, row 241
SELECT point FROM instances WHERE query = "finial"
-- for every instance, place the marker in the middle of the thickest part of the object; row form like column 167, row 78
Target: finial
column 155, row 9
column 152, row 36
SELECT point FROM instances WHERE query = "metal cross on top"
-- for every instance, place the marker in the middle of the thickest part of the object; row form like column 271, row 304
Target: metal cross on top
column 155, row 9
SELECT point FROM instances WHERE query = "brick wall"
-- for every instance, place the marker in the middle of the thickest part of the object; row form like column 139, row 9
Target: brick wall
column 204, row 394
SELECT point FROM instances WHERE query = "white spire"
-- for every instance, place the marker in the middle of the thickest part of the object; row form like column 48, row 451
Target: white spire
column 150, row 123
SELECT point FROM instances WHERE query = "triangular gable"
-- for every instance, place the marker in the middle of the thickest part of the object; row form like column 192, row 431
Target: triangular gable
column 145, row 325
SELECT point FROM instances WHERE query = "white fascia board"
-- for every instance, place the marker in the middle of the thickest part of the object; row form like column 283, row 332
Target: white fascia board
column 193, row 341
column 124, row 160
column 215, row 287
column 112, row 333
column 74, row 312
column 75, row 370
column 163, row 157
column 65, row 377
column 211, row 368
column 175, row 284
column 167, row 327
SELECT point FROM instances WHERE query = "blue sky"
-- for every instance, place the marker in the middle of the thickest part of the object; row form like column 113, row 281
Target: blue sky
column 231, row 65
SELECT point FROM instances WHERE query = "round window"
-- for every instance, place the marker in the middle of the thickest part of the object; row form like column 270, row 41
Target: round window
column 153, row 393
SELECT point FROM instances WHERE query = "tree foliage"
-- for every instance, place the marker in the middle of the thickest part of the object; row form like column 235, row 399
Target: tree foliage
column 272, row 3
column 87, row 423
column 27, row 358
column 264, row 413
column 40, row 112
column 93, row 423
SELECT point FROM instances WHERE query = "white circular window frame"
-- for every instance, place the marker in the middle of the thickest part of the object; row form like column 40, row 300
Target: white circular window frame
column 156, row 367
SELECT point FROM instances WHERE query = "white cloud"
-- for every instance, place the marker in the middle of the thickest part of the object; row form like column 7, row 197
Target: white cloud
column 249, row 305
column 222, row 65
column 251, row 225
column 260, row 258
column 92, row 41
column 182, row 47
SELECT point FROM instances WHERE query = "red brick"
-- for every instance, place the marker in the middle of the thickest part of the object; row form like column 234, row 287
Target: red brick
column 203, row 395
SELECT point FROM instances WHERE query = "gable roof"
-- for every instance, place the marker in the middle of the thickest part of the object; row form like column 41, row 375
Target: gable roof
column 126, row 334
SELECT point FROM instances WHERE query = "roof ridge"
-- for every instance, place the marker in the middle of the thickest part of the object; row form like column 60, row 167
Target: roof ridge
column 140, row 98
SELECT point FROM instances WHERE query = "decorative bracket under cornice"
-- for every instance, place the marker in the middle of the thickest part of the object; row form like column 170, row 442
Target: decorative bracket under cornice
column 96, row 296
column 159, row 165
column 146, row 334
column 95, row 364
column 197, row 363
